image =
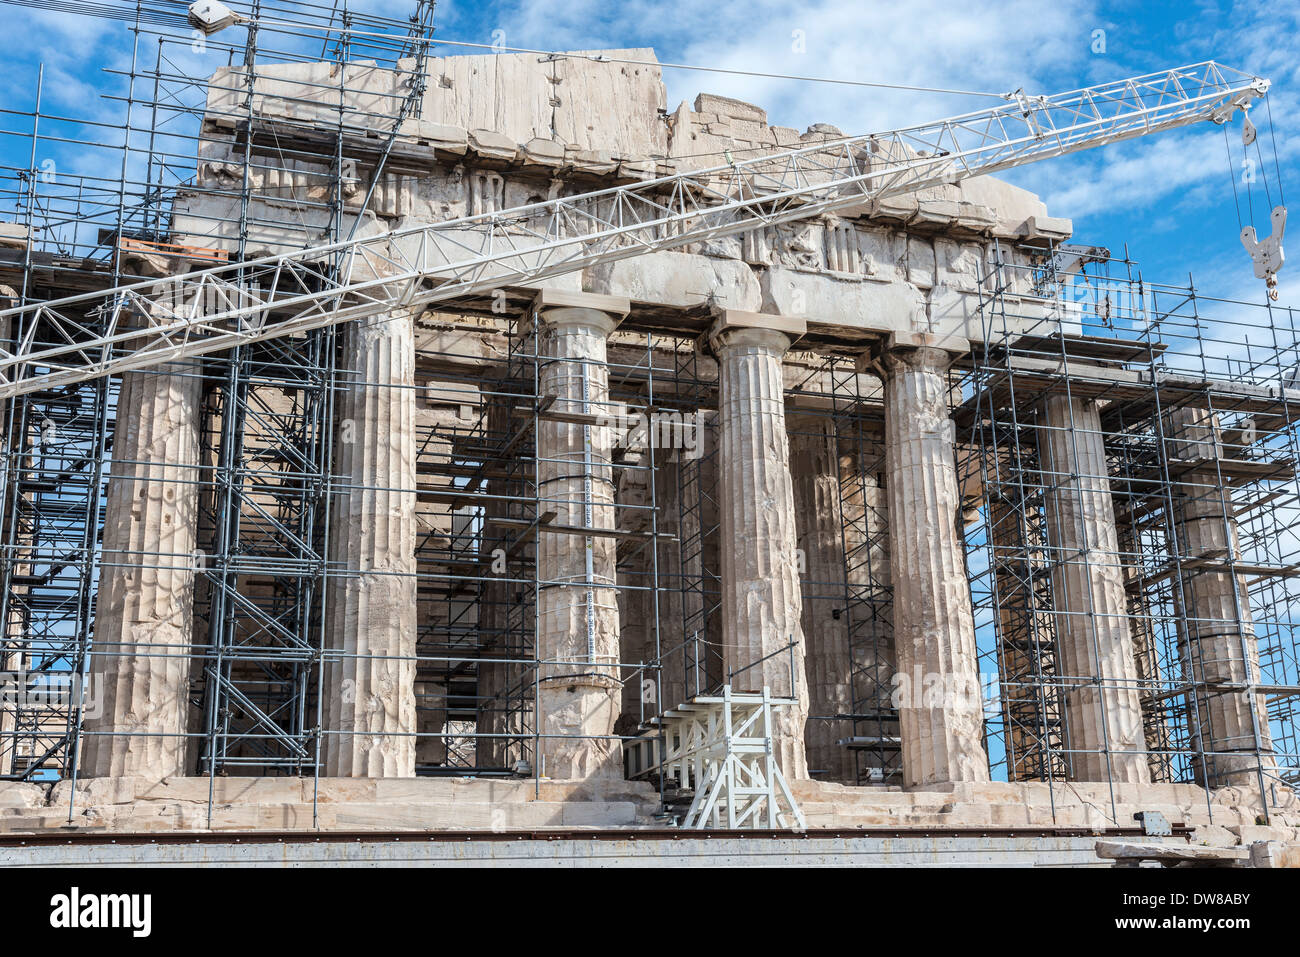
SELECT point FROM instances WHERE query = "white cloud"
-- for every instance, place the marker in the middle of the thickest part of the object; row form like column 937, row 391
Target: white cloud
column 1173, row 179
column 925, row 43
column 1133, row 176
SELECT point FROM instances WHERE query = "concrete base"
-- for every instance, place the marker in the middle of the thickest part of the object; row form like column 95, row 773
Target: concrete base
column 605, row 850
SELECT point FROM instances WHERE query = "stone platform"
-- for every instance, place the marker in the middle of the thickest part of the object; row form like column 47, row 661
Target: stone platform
column 129, row 805
column 1228, row 817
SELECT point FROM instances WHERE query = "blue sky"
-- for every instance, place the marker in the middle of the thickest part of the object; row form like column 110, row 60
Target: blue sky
column 1169, row 197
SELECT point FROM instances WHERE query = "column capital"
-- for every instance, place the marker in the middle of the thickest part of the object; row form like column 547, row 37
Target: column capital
column 920, row 349
column 579, row 317
column 738, row 327
column 560, row 306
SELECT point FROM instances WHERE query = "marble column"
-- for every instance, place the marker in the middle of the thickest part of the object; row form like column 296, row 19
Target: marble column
column 940, row 709
column 815, row 471
column 369, row 686
column 870, row 612
column 578, row 620
column 1217, row 641
column 668, row 597
column 636, row 602
column 693, row 661
column 144, row 615
column 761, row 599
column 431, row 720
column 1103, row 708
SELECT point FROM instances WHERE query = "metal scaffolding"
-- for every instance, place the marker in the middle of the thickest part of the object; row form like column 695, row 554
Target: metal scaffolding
column 1174, row 374
column 1197, row 412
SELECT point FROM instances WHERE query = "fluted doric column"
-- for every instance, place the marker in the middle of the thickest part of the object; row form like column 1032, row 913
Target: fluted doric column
column 431, row 712
column 371, row 600
column 578, row 620
column 144, row 614
column 1217, row 641
column 761, row 599
column 940, row 712
column 815, row 468
column 865, row 515
column 636, row 602
column 692, row 656
column 1103, row 708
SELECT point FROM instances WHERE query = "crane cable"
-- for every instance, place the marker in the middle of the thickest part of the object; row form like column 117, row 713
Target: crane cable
column 602, row 58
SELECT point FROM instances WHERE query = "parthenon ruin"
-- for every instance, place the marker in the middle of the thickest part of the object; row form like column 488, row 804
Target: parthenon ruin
column 985, row 530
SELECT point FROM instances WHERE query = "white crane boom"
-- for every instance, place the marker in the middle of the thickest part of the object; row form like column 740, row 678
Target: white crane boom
column 129, row 327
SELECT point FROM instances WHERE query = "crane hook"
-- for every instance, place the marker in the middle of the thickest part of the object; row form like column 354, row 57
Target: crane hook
column 1267, row 253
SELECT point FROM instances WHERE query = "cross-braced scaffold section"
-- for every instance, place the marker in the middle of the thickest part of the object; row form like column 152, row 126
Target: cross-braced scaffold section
column 1128, row 452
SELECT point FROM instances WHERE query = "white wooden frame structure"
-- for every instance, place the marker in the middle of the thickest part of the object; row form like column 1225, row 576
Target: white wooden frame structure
column 721, row 745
